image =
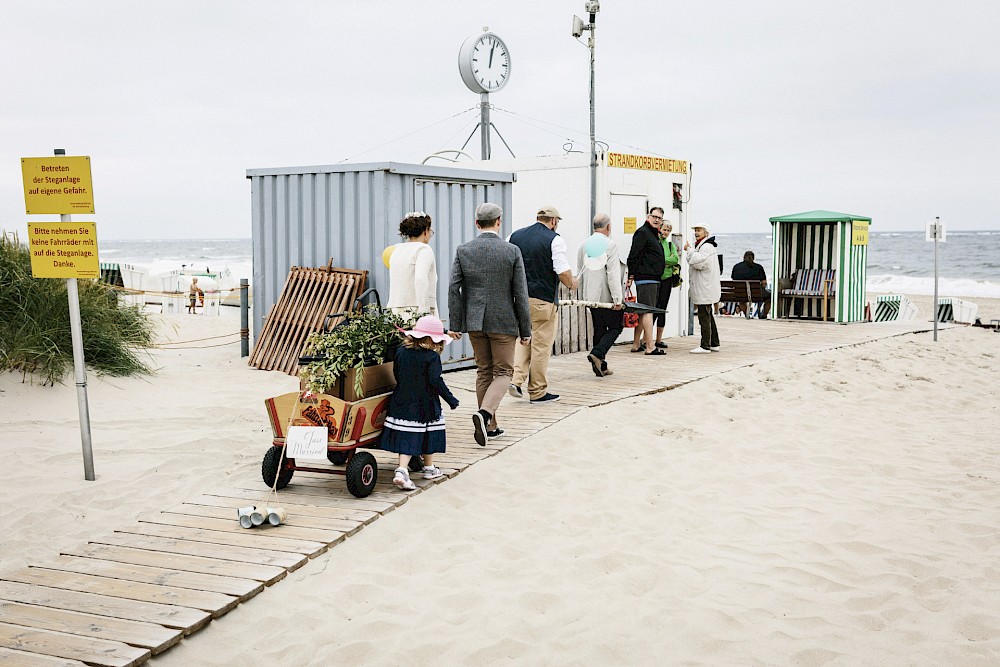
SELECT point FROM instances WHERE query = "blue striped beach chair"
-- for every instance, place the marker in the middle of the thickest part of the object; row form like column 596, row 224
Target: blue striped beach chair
column 814, row 284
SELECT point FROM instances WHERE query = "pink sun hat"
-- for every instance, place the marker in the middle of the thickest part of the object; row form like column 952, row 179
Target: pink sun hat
column 430, row 327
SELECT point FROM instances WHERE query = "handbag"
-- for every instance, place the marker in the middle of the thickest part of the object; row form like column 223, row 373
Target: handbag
column 630, row 320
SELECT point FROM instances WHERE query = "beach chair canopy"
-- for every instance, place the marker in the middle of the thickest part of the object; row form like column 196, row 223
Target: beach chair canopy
column 819, row 216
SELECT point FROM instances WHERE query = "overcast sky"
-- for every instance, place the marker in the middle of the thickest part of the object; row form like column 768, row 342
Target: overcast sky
column 886, row 109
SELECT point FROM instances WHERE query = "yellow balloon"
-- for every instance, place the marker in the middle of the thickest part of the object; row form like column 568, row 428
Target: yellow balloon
column 387, row 254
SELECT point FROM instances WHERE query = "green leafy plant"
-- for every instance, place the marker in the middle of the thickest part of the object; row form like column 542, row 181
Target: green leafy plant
column 365, row 338
column 35, row 336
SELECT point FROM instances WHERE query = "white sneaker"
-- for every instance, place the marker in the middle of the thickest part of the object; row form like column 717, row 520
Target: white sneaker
column 715, row 348
column 515, row 391
column 700, row 350
column 432, row 472
column 402, row 480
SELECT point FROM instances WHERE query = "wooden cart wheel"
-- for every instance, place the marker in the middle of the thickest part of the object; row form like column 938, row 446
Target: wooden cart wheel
column 269, row 468
column 416, row 464
column 362, row 473
column 336, row 458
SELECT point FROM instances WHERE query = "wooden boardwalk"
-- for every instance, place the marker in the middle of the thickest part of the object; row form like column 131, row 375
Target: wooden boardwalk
column 139, row 590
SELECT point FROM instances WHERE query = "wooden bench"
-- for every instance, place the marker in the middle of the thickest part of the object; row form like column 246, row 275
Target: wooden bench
column 743, row 293
column 813, row 284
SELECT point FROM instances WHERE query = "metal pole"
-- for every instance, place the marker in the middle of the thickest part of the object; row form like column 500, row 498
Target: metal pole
column 593, row 140
column 244, row 318
column 79, row 364
column 484, row 124
column 937, row 235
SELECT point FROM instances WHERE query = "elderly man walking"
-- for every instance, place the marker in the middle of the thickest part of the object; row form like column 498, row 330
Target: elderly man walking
column 600, row 270
column 545, row 266
column 705, row 288
column 488, row 298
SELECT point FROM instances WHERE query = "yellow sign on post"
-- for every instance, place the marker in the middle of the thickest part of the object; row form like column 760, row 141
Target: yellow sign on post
column 63, row 250
column 859, row 232
column 57, row 184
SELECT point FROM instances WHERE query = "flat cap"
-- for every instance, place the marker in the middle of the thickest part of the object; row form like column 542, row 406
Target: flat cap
column 488, row 212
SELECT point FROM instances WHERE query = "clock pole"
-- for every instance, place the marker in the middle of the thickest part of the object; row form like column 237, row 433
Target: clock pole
column 484, row 124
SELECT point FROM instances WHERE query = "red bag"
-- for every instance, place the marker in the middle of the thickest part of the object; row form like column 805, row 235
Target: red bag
column 630, row 320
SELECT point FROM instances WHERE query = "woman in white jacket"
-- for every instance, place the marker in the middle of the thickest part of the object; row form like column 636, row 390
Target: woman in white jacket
column 704, row 286
column 413, row 269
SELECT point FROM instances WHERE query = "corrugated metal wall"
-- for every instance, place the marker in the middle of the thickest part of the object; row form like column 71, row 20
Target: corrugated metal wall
column 348, row 214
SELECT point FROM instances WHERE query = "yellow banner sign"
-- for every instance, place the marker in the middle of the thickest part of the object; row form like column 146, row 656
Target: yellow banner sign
column 646, row 162
column 629, row 225
column 859, row 232
column 63, row 250
column 57, row 184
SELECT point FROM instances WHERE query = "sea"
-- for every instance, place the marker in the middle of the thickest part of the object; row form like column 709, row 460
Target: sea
column 898, row 262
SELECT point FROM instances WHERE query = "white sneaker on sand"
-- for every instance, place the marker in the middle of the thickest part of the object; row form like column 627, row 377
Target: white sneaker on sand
column 402, row 480
column 432, row 472
column 715, row 348
column 700, row 350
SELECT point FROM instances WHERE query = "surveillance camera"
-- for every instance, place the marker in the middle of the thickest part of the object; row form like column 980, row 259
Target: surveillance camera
column 592, row 6
column 577, row 27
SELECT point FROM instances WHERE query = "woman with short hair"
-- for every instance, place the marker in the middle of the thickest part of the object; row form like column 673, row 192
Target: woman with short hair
column 413, row 269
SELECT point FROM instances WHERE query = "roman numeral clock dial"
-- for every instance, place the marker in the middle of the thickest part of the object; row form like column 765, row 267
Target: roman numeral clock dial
column 484, row 63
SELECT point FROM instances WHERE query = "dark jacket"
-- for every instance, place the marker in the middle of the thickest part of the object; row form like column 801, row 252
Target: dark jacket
column 488, row 291
column 418, row 386
column 748, row 271
column 645, row 259
column 535, row 243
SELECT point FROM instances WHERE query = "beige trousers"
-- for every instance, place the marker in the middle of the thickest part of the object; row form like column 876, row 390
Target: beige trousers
column 494, row 366
column 531, row 362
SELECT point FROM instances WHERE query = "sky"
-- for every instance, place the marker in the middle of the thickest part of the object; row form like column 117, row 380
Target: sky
column 883, row 108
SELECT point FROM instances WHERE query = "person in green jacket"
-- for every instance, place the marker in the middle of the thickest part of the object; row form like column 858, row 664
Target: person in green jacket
column 671, row 278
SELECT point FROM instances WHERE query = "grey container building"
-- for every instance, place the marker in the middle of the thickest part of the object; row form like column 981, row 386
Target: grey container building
column 349, row 213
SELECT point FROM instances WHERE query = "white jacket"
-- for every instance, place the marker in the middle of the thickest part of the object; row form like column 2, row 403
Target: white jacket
column 603, row 285
column 703, row 278
column 413, row 278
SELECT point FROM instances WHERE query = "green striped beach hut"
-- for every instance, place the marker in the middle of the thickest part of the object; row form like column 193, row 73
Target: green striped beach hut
column 820, row 266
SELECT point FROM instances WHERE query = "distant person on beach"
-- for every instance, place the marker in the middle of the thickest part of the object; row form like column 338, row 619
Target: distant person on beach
column 645, row 268
column 414, row 423
column 705, row 288
column 600, row 270
column 545, row 266
column 670, row 278
column 195, row 294
column 488, row 298
column 750, row 270
column 413, row 269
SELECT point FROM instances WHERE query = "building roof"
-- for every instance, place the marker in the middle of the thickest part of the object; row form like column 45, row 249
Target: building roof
column 819, row 216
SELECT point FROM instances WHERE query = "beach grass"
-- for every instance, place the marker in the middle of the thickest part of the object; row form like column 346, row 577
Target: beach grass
column 35, row 335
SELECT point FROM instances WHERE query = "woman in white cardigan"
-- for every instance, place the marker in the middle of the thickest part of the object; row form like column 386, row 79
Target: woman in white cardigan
column 412, row 268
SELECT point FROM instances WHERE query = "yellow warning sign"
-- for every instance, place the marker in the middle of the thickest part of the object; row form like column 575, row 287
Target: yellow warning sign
column 57, row 184
column 859, row 232
column 630, row 225
column 63, row 250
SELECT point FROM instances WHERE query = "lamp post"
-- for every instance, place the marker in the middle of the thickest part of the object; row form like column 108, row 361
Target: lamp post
column 591, row 7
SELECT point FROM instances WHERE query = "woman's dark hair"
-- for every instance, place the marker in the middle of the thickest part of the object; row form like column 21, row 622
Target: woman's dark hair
column 414, row 224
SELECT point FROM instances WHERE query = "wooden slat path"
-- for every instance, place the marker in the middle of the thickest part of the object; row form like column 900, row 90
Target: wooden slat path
column 137, row 591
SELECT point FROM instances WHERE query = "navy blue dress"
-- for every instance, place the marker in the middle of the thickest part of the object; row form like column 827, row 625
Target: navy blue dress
column 414, row 423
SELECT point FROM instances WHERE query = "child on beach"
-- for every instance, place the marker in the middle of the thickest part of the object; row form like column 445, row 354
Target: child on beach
column 414, row 423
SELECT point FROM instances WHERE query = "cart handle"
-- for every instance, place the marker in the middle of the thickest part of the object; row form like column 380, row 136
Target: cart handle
column 354, row 307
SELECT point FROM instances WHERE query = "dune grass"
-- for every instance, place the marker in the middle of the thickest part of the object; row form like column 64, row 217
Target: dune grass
column 35, row 333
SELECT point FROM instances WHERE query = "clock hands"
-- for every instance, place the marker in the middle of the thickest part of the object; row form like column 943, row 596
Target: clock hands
column 491, row 55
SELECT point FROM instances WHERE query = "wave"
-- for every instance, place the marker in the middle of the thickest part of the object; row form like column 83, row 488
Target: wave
column 889, row 283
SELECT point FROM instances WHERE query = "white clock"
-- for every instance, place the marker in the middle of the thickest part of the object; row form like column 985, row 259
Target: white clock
column 484, row 63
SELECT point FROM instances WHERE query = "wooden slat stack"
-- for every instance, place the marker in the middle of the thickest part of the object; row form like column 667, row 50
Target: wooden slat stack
column 574, row 331
column 309, row 295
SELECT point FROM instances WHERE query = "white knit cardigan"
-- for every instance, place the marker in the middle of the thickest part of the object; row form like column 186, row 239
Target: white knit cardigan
column 413, row 278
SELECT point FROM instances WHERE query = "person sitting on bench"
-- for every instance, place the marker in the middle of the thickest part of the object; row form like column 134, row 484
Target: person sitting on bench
column 749, row 270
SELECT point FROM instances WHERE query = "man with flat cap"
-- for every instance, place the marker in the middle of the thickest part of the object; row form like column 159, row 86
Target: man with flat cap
column 545, row 266
column 488, row 298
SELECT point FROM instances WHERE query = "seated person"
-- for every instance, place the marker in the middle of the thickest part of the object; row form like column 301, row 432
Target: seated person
column 749, row 270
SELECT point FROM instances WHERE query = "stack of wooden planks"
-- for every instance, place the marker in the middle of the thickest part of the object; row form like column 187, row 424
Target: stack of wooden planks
column 309, row 295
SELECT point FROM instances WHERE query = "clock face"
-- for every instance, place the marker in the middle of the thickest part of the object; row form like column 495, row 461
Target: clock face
column 484, row 63
column 490, row 62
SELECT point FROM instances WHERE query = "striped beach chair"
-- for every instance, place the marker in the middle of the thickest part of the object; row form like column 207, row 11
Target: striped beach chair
column 814, row 284
column 950, row 309
column 893, row 307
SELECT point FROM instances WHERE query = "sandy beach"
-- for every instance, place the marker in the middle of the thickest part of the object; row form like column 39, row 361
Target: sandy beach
column 838, row 508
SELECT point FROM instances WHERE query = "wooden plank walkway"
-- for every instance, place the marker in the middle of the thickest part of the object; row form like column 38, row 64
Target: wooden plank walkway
column 135, row 592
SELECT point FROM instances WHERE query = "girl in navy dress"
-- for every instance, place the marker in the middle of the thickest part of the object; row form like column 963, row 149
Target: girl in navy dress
column 414, row 423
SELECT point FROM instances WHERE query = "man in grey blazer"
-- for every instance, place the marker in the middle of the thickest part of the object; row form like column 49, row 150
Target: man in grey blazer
column 488, row 298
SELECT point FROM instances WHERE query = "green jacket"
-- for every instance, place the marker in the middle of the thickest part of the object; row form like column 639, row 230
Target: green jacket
column 673, row 266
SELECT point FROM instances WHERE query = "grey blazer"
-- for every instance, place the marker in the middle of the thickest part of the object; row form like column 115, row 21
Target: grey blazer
column 488, row 291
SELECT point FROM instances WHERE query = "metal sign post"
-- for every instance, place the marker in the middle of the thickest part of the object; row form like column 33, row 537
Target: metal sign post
column 935, row 233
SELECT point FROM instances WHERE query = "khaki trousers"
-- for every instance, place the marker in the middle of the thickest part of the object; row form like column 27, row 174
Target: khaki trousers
column 494, row 366
column 531, row 362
